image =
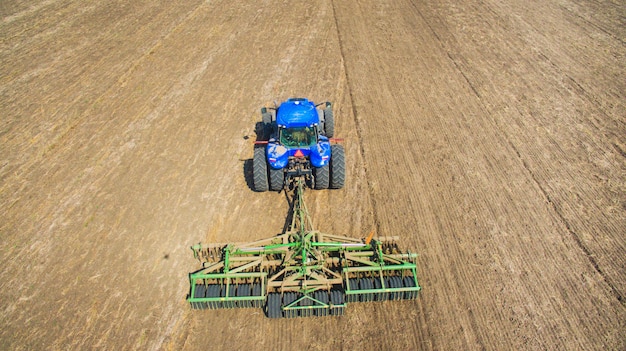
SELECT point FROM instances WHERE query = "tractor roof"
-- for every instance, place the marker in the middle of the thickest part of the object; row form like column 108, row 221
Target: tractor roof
column 297, row 112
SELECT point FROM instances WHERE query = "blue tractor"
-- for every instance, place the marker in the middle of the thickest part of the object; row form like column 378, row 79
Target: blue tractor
column 294, row 140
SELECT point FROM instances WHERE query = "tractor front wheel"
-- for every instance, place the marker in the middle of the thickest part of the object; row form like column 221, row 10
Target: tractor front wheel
column 267, row 124
column 329, row 122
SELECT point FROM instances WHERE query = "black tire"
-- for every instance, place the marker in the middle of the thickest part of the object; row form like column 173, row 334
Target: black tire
column 322, row 177
column 329, row 122
column 380, row 296
column 273, row 308
column 200, row 290
column 397, row 283
column 259, row 170
column 354, row 285
column 367, row 284
column 213, row 290
column 199, row 293
column 389, row 283
column 321, row 296
column 256, row 291
column 277, row 179
column 243, row 291
column 232, row 292
column 337, row 167
column 267, row 124
column 337, row 298
column 288, row 298
column 305, row 312
column 409, row 282
column 293, row 296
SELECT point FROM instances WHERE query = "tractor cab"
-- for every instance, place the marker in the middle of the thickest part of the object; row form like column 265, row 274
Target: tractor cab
column 298, row 137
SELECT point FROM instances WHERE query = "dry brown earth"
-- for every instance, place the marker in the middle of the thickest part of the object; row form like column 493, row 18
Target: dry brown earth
column 488, row 134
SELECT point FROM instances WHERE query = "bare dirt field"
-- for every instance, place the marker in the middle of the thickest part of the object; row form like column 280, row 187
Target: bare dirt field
column 490, row 135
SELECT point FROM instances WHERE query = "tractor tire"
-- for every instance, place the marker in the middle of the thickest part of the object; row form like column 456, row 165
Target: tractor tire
column 266, row 118
column 337, row 167
column 329, row 122
column 259, row 170
column 277, row 179
column 322, row 177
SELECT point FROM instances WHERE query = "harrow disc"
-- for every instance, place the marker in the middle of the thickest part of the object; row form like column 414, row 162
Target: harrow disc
column 409, row 282
column 273, row 308
column 321, row 296
column 302, row 272
column 200, row 292
column 256, row 291
column 288, row 299
column 337, row 302
column 243, row 290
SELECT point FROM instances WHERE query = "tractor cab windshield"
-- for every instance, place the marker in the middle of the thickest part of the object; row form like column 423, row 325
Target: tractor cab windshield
column 298, row 136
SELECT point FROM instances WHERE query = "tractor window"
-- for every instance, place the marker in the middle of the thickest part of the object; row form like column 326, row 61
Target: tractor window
column 298, row 137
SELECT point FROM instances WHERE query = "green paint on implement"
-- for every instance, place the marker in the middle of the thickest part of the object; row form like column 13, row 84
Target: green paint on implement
column 302, row 272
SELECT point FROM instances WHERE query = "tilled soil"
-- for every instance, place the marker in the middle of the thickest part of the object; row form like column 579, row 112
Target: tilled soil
column 489, row 135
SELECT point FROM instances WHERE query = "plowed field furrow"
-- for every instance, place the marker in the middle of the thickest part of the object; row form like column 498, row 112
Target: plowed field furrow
column 49, row 89
column 560, row 94
column 488, row 135
column 479, row 154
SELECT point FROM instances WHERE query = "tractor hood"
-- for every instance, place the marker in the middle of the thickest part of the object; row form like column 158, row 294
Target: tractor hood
column 297, row 113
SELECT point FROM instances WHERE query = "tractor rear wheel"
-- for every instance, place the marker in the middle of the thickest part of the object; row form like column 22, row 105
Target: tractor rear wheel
column 277, row 179
column 322, row 177
column 259, row 170
column 337, row 167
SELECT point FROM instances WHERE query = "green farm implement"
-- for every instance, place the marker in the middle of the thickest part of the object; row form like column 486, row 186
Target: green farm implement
column 302, row 272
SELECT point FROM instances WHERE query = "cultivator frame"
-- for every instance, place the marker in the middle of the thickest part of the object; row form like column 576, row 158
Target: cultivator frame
column 302, row 272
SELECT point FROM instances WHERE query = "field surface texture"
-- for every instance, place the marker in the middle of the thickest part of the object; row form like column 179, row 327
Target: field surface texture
column 490, row 135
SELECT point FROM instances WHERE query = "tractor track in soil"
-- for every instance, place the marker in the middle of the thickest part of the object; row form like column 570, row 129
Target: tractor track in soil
column 358, row 127
column 488, row 135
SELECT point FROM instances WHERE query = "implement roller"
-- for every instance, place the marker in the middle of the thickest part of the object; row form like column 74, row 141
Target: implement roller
column 302, row 272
